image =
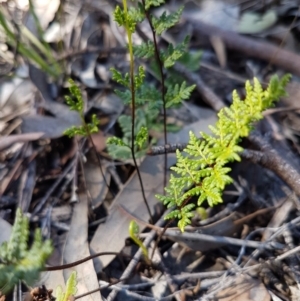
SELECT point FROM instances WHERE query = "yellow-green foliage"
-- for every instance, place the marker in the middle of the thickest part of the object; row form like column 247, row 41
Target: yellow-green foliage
column 202, row 172
column 76, row 103
column 71, row 288
column 17, row 260
column 133, row 233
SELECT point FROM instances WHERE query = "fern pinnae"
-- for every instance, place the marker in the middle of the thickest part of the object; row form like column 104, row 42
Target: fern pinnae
column 209, row 155
column 17, row 260
column 165, row 21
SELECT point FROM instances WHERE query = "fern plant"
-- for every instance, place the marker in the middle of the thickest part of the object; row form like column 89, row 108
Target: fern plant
column 76, row 103
column 17, row 260
column 202, row 172
column 145, row 100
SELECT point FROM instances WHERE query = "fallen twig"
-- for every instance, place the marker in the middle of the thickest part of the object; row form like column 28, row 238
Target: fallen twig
column 280, row 57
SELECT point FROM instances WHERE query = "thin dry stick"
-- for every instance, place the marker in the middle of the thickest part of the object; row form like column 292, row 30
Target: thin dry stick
column 270, row 159
column 283, row 58
column 75, row 263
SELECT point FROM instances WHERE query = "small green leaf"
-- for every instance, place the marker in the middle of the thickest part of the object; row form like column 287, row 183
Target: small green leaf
column 120, row 152
column 173, row 54
column 71, row 288
column 75, row 101
column 149, row 3
column 119, row 16
column 119, row 78
column 141, row 137
column 175, row 94
column 139, row 78
column 165, row 21
column 115, row 141
column 145, row 50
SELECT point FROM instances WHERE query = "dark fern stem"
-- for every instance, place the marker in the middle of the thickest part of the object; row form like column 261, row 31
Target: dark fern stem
column 133, row 107
column 163, row 87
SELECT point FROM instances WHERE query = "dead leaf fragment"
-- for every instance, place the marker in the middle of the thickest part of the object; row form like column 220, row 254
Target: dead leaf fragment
column 243, row 288
column 77, row 248
column 251, row 22
column 7, row 141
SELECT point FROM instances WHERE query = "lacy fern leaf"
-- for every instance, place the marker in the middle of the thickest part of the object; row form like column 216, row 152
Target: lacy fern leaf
column 202, row 172
column 165, row 21
column 17, row 260
column 176, row 94
column 145, row 50
column 173, row 54
column 149, row 3
column 140, row 95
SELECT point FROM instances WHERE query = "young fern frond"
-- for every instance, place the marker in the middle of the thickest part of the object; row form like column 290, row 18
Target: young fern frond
column 71, row 288
column 165, row 21
column 17, row 260
column 202, row 172
column 147, row 98
column 145, row 50
column 76, row 103
column 149, row 3
column 176, row 94
column 173, row 54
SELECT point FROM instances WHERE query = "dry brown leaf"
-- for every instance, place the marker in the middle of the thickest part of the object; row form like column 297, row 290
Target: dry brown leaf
column 99, row 141
column 5, row 230
column 77, row 248
column 214, row 12
column 51, row 127
column 293, row 91
column 243, row 288
column 15, row 95
column 220, row 50
column 95, row 185
column 7, row 141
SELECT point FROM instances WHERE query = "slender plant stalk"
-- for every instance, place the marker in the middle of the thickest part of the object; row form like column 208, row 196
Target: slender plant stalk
column 132, row 88
column 163, row 88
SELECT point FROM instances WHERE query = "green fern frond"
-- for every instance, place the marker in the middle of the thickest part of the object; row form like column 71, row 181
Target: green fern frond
column 165, row 21
column 119, row 16
column 203, row 172
column 173, row 54
column 119, row 78
column 75, row 101
column 175, row 94
column 149, row 3
column 147, row 98
column 139, row 77
column 145, row 50
column 17, row 260
column 136, row 14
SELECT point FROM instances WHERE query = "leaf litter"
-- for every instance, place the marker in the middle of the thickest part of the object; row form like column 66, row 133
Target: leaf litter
column 41, row 166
